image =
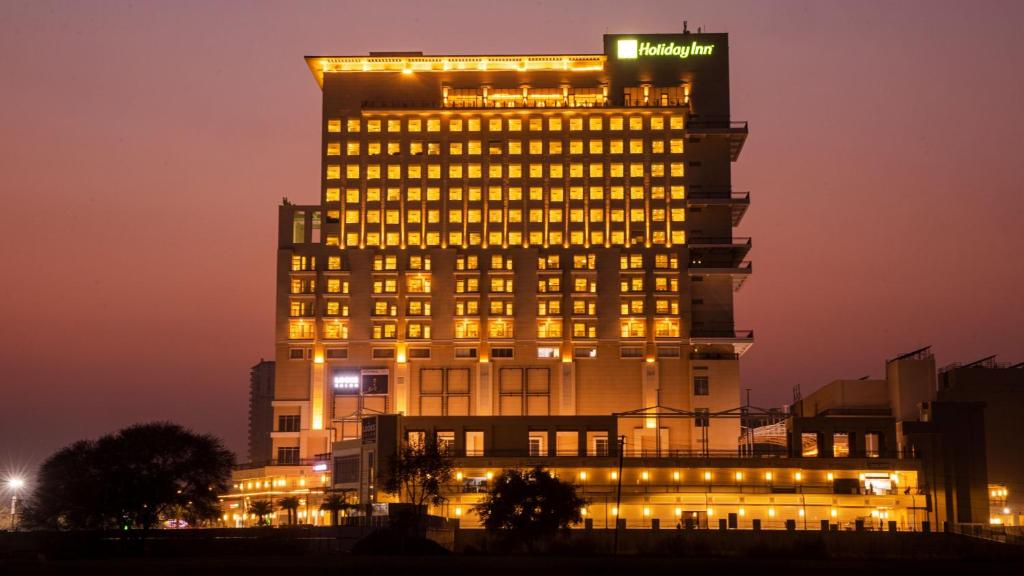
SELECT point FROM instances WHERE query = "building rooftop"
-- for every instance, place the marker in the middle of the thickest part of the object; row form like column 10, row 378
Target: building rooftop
column 412, row 62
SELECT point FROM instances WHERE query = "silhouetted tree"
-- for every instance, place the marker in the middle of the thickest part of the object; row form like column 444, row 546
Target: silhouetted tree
column 528, row 506
column 417, row 475
column 261, row 509
column 133, row 478
column 334, row 504
column 290, row 504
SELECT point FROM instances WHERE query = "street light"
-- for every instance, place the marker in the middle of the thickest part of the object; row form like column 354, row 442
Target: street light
column 15, row 484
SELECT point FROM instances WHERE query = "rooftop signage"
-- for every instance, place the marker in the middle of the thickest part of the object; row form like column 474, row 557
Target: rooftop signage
column 632, row 48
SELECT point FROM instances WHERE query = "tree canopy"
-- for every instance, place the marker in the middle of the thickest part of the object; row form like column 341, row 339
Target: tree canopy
column 417, row 473
column 134, row 478
column 526, row 506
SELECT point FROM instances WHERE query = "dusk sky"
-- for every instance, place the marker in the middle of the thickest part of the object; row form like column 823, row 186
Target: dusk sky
column 146, row 146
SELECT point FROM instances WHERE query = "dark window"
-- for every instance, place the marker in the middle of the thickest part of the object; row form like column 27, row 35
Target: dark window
column 502, row 352
column 346, row 469
column 337, row 353
column 288, row 455
column 296, row 353
column 289, row 423
column 701, row 418
column 419, row 353
column 700, row 386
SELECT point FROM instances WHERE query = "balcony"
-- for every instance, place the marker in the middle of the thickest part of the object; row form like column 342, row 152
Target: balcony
column 510, row 104
column 739, row 272
column 713, row 335
column 718, row 251
column 735, row 132
column 738, row 202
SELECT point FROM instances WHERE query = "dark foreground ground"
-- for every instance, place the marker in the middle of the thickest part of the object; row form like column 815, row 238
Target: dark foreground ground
column 457, row 565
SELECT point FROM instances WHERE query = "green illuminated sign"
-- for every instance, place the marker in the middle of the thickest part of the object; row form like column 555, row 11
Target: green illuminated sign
column 631, row 49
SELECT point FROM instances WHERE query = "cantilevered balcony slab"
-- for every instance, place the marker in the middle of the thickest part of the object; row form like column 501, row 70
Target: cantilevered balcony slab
column 738, row 202
column 739, row 272
column 736, row 132
column 739, row 340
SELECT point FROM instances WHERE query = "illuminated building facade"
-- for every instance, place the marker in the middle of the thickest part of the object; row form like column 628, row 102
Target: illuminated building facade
column 530, row 259
column 521, row 235
column 517, row 235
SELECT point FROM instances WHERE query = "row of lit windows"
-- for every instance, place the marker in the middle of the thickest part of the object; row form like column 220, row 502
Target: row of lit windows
column 471, row 307
column 498, row 238
column 471, row 285
column 417, row 284
column 468, row 328
column 498, row 262
column 500, row 193
column 512, row 147
column 308, row 286
column 515, row 215
column 512, row 170
column 575, row 123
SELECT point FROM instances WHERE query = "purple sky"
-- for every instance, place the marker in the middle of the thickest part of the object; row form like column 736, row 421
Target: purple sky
column 145, row 147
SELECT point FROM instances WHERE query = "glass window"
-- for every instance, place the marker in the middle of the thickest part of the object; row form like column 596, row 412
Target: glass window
column 700, row 386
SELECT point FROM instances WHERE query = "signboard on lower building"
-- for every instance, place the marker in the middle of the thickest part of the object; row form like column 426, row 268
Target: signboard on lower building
column 375, row 381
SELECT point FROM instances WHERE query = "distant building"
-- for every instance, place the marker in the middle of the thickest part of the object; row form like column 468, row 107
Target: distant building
column 1000, row 386
column 960, row 423
column 261, row 411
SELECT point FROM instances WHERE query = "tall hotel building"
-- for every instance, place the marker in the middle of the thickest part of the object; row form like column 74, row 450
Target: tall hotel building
column 530, row 259
column 517, row 235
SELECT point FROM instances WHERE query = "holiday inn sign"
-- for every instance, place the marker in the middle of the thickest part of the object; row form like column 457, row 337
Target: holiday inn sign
column 631, row 48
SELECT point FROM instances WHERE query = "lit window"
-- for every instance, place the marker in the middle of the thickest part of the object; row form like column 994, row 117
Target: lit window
column 334, row 171
column 468, row 328
column 353, row 125
column 657, row 122
column 455, row 125
column 334, row 125
column 554, row 123
column 373, row 125
column 549, row 328
column 632, row 328
column 301, row 330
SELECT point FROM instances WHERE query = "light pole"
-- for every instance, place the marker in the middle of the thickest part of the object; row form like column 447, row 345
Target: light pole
column 14, row 484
